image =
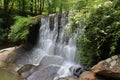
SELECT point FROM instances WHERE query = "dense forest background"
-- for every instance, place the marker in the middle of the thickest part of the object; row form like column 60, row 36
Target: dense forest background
column 19, row 10
column 96, row 21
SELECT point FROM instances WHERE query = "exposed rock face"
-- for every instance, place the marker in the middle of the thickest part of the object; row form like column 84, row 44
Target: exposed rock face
column 88, row 75
column 68, row 78
column 109, row 67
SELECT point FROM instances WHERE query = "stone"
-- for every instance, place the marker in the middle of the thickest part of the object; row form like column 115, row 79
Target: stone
column 6, row 57
column 5, row 53
column 8, row 54
column 109, row 67
column 27, row 70
column 108, row 60
column 46, row 73
column 77, row 70
column 69, row 78
column 47, row 60
column 114, row 57
column 88, row 75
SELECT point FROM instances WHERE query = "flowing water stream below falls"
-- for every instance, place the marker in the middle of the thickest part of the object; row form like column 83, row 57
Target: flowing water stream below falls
column 55, row 53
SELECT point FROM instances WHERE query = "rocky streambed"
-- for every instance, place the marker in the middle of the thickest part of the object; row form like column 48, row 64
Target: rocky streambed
column 109, row 69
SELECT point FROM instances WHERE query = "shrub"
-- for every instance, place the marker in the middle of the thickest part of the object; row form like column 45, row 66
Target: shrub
column 100, row 36
column 20, row 30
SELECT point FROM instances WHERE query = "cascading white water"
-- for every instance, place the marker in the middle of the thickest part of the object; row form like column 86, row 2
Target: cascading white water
column 53, row 43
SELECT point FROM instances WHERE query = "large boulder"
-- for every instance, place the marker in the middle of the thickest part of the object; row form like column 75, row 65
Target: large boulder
column 8, row 54
column 8, row 69
column 46, row 73
column 49, row 59
column 109, row 67
column 68, row 78
column 88, row 75
column 5, row 53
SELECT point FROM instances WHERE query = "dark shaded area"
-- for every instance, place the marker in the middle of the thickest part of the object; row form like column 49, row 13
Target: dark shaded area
column 104, row 77
column 33, row 34
column 51, row 22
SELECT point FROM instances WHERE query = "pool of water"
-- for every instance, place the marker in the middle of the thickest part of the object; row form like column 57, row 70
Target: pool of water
column 6, row 75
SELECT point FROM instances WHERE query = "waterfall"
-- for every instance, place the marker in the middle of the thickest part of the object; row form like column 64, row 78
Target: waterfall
column 55, row 44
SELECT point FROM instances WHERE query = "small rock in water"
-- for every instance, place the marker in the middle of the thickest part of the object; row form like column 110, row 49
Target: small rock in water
column 78, row 70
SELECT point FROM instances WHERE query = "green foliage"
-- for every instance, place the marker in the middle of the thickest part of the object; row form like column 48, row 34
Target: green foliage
column 20, row 30
column 100, row 31
column 80, row 4
column 3, row 35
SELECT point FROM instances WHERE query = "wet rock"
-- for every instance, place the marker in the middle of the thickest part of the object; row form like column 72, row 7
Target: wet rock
column 88, row 75
column 109, row 67
column 69, row 78
column 77, row 70
column 47, row 60
column 47, row 73
column 26, row 70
